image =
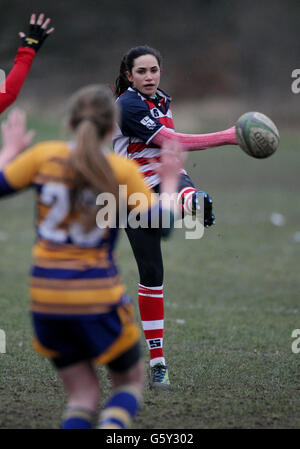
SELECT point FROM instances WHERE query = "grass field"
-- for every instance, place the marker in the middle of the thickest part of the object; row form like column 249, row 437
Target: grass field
column 231, row 304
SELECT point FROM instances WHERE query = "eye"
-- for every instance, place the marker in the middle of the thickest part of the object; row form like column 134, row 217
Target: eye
column 141, row 71
column 154, row 69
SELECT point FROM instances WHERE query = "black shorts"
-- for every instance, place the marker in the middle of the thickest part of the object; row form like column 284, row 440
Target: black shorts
column 121, row 364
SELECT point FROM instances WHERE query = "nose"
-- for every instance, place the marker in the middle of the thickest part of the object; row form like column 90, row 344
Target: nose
column 148, row 76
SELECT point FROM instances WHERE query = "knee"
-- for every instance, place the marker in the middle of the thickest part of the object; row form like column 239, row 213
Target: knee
column 151, row 274
column 86, row 395
column 134, row 376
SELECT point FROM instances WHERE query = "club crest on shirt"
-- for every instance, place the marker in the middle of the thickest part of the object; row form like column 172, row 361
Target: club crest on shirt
column 148, row 122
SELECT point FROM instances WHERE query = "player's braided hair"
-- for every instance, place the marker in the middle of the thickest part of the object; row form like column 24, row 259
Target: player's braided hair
column 92, row 114
column 127, row 64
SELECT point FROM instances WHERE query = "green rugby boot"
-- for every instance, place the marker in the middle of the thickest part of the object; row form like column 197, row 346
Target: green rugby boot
column 159, row 377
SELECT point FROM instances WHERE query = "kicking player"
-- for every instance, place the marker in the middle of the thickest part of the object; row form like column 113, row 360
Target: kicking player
column 145, row 123
column 31, row 43
column 81, row 313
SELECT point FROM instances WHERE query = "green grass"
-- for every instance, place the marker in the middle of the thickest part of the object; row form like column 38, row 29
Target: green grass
column 231, row 304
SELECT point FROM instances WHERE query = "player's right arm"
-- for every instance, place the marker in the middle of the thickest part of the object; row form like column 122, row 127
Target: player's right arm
column 30, row 45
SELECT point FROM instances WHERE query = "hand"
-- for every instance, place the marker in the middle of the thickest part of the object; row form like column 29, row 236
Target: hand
column 37, row 32
column 14, row 136
column 172, row 159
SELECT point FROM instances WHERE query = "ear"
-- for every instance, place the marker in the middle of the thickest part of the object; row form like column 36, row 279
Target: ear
column 129, row 76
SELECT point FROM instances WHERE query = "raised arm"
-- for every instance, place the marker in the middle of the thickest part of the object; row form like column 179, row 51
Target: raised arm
column 30, row 44
column 15, row 137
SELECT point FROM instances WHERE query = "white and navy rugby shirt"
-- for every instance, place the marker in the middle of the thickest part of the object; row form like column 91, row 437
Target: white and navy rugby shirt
column 141, row 118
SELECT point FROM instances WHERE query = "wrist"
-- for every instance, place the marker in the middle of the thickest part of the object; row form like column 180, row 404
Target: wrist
column 4, row 160
column 169, row 184
column 169, row 201
column 8, row 152
column 28, row 50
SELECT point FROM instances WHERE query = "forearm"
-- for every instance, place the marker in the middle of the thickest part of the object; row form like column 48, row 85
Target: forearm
column 193, row 142
column 16, row 77
column 4, row 160
column 7, row 154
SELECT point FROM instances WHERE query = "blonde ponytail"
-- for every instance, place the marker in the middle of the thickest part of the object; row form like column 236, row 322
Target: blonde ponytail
column 92, row 115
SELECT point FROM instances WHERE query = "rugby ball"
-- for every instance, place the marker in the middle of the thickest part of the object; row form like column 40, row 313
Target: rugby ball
column 257, row 135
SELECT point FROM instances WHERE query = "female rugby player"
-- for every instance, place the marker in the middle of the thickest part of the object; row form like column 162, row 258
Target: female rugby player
column 145, row 123
column 81, row 313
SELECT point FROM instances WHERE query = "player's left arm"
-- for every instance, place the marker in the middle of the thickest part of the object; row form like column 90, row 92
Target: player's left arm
column 30, row 44
column 136, row 120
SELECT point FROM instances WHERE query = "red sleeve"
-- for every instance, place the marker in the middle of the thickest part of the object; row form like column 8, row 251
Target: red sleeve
column 16, row 77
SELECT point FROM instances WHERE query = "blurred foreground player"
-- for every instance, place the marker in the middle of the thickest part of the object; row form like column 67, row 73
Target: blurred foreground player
column 81, row 313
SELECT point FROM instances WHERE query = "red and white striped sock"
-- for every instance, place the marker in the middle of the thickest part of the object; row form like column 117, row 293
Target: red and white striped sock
column 151, row 304
column 185, row 200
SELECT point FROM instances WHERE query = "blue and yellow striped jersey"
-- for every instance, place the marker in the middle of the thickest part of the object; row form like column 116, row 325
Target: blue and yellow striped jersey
column 74, row 271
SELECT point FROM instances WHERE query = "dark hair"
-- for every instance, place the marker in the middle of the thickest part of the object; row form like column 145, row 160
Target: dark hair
column 127, row 63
